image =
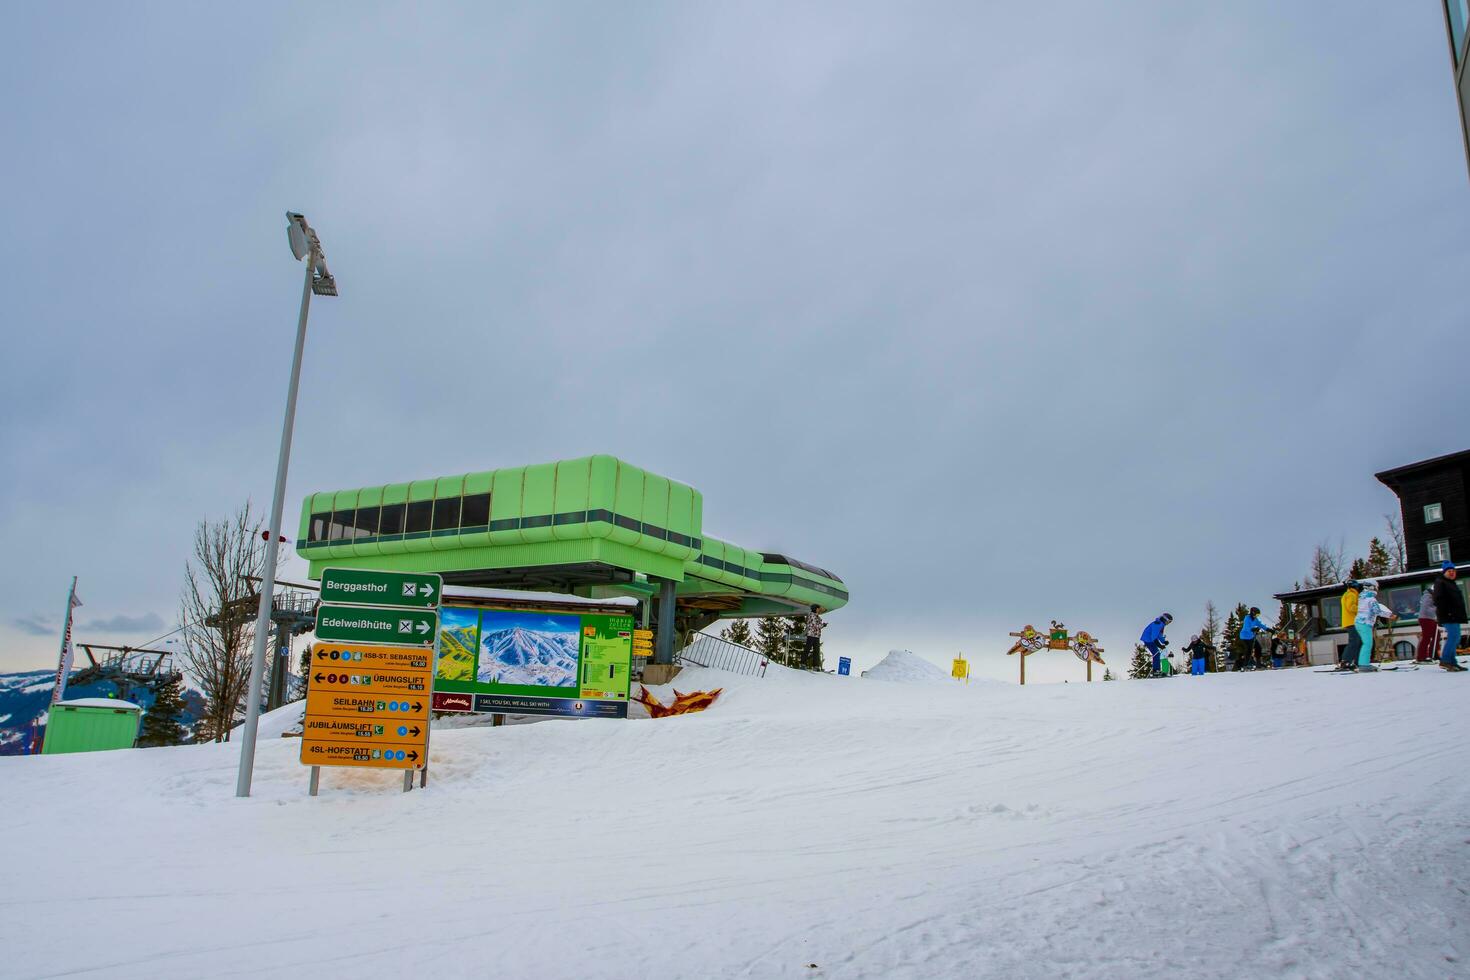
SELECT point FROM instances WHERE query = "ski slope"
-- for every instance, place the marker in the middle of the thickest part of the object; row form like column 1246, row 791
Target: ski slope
column 1262, row 825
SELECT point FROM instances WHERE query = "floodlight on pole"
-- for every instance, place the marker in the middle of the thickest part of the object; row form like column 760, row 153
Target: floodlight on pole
column 304, row 245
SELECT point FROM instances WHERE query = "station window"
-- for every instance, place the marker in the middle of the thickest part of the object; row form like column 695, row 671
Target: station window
column 342, row 528
column 446, row 514
column 391, row 521
column 475, row 512
column 1459, row 17
column 1331, row 613
column 417, row 518
column 318, row 529
column 1439, row 551
column 1433, row 513
column 367, row 522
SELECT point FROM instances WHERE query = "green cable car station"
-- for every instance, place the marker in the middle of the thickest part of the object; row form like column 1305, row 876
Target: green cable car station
column 595, row 528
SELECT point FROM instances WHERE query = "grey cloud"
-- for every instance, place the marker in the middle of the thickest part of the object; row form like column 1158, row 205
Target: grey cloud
column 33, row 625
column 123, row 623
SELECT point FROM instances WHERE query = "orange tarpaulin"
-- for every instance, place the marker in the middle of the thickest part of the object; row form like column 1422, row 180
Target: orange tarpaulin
column 683, row 703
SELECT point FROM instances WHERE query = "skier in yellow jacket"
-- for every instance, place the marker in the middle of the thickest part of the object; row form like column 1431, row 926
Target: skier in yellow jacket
column 1349, row 657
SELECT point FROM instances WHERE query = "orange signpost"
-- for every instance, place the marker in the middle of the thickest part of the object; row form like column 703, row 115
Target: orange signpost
column 368, row 702
column 367, row 706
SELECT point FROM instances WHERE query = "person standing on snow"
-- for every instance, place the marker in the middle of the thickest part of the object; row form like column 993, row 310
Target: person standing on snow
column 1349, row 657
column 1428, row 628
column 812, row 652
column 1197, row 651
column 1153, row 638
column 1449, row 603
column 1370, row 610
column 1251, row 628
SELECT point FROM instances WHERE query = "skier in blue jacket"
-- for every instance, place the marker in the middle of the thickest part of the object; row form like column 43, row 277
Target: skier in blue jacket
column 1250, row 628
column 1153, row 638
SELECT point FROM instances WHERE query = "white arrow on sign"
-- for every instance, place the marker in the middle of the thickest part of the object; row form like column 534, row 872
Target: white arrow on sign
column 423, row 627
column 427, row 589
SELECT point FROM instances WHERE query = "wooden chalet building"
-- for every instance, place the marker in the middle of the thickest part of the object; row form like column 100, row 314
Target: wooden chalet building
column 1435, row 504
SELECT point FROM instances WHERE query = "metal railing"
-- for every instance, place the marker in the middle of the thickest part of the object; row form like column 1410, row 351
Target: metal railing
column 704, row 650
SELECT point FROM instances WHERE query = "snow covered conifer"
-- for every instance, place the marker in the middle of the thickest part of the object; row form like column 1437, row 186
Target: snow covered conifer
column 161, row 725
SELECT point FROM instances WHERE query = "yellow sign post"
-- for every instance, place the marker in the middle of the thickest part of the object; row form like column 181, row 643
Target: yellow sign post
column 960, row 669
column 367, row 706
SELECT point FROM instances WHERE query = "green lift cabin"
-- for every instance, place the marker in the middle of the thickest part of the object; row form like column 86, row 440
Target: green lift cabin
column 594, row 527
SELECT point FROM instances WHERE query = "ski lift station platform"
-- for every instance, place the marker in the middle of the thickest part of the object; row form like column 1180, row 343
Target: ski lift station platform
column 595, row 527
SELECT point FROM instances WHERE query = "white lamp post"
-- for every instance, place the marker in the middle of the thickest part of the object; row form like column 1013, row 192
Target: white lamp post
column 304, row 245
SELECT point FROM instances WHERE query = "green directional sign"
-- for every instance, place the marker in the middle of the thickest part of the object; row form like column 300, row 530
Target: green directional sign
column 366, row 624
column 363, row 586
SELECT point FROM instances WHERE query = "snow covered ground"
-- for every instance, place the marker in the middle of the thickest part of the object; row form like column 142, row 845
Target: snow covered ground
column 1265, row 825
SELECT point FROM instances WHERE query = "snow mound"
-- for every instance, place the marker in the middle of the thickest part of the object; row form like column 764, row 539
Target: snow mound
column 104, row 703
column 907, row 667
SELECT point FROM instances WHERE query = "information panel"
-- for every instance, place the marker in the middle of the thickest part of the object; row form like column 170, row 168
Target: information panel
column 517, row 661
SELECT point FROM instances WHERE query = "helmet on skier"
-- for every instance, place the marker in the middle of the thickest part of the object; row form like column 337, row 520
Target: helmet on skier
column 1368, row 585
column 1167, row 618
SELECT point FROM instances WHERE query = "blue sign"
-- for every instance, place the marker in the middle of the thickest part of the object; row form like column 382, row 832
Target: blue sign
column 844, row 666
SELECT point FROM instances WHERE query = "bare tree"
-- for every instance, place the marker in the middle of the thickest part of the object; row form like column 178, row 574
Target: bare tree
column 218, row 618
column 1398, row 552
column 1327, row 565
column 1210, row 631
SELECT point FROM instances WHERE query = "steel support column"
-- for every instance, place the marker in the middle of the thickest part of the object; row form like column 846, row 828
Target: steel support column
column 663, row 652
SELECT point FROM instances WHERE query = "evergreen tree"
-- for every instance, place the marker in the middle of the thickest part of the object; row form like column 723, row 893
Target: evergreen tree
column 796, row 645
column 161, row 725
column 1359, row 569
column 1378, row 563
column 1108, row 674
column 1143, row 664
column 770, row 638
column 1230, row 639
column 738, row 632
column 305, row 668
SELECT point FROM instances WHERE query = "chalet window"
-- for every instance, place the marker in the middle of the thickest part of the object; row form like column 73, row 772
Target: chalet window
column 1439, row 551
column 476, row 510
column 319, row 522
column 1332, row 613
column 446, row 514
column 1433, row 513
column 417, row 519
column 1405, row 601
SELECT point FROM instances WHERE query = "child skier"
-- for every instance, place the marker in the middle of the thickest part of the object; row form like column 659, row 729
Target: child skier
column 1370, row 610
column 1197, row 651
column 1154, row 640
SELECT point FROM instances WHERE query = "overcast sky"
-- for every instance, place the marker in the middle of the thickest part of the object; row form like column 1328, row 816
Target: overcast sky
column 1079, row 310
